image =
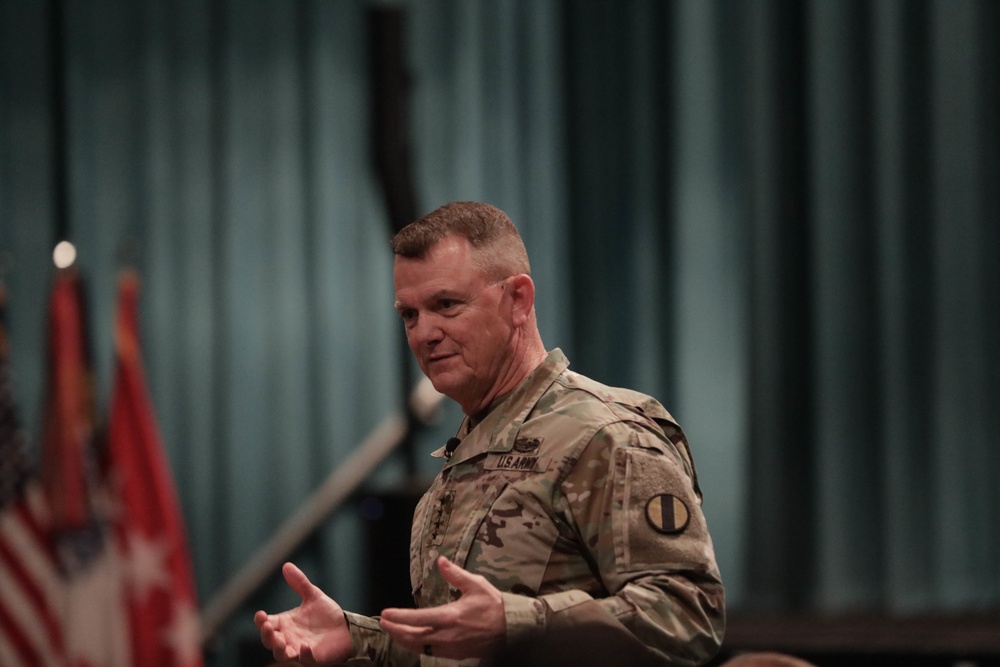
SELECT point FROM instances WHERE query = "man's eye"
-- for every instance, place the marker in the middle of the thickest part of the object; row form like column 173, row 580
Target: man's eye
column 445, row 304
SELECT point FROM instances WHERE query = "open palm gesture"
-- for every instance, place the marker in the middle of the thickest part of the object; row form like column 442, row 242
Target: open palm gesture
column 314, row 633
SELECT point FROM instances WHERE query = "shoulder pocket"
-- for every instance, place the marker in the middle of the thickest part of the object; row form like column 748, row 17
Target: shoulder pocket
column 656, row 518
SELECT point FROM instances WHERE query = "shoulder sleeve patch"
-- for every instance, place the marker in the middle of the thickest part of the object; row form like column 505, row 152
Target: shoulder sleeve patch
column 667, row 514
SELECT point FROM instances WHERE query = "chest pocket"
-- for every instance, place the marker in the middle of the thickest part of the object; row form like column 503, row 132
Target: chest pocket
column 515, row 540
column 445, row 524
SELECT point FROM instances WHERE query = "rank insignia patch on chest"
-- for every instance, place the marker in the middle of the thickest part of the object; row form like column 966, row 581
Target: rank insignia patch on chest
column 667, row 514
column 440, row 515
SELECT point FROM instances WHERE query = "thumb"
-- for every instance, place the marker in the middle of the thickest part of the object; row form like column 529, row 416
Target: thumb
column 458, row 577
column 298, row 581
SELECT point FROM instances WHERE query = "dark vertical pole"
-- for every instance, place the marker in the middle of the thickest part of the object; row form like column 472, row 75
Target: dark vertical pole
column 60, row 133
column 388, row 529
column 781, row 551
column 390, row 85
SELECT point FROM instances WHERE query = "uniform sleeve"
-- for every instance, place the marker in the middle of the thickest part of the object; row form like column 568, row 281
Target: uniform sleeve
column 631, row 499
column 372, row 646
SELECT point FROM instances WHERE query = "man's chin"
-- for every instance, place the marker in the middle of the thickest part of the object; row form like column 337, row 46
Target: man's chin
column 441, row 385
column 445, row 383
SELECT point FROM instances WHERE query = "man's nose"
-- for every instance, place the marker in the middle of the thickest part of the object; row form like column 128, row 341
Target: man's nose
column 426, row 331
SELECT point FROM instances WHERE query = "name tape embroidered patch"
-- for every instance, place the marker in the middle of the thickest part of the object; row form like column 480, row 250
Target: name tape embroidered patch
column 517, row 462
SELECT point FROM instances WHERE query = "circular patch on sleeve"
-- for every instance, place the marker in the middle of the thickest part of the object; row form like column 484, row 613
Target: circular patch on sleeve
column 667, row 514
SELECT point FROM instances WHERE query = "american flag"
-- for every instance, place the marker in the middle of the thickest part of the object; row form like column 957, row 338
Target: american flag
column 31, row 592
column 68, row 596
column 94, row 627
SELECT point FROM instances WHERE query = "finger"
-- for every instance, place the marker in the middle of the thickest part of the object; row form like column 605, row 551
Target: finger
column 431, row 617
column 458, row 577
column 283, row 654
column 306, row 655
column 260, row 618
column 415, row 631
column 408, row 635
column 298, row 581
column 269, row 636
column 276, row 643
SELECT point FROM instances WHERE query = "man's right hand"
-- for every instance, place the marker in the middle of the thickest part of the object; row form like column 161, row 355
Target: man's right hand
column 314, row 633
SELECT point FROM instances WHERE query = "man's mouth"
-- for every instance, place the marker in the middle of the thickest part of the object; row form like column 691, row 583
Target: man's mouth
column 437, row 358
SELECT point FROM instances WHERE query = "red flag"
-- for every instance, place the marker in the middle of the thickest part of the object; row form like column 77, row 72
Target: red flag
column 31, row 593
column 92, row 615
column 160, row 588
column 70, row 417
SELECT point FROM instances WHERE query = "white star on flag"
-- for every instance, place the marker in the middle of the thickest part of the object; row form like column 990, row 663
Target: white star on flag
column 183, row 634
column 146, row 565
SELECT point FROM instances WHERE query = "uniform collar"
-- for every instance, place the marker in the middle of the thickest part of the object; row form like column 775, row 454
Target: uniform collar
column 498, row 429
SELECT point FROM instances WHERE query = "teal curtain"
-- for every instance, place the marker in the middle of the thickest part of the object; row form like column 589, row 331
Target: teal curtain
column 224, row 147
column 659, row 247
column 817, row 293
column 780, row 217
column 874, row 297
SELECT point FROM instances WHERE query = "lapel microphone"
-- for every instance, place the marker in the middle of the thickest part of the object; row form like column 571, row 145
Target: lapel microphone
column 451, row 446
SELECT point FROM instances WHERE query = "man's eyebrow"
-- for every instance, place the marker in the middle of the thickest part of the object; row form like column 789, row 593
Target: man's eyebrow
column 445, row 293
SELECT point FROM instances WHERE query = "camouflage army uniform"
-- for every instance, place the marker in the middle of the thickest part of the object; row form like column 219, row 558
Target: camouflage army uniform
column 580, row 502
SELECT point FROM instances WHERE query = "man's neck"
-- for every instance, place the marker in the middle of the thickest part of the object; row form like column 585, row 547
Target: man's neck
column 525, row 363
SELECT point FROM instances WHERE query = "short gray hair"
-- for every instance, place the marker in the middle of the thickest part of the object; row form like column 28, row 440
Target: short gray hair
column 485, row 227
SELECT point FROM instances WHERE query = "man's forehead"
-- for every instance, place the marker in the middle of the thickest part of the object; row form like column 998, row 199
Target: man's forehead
column 447, row 264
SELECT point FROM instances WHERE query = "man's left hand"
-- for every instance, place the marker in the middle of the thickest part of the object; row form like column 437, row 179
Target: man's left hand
column 473, row 626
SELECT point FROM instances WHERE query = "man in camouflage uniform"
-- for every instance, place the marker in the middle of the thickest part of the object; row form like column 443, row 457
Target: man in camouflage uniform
column 561, row 502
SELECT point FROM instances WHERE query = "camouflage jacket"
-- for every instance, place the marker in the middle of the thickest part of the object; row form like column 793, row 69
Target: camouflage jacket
column 580, row 502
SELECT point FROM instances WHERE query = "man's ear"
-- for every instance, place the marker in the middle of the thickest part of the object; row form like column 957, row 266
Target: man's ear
column 522, row 291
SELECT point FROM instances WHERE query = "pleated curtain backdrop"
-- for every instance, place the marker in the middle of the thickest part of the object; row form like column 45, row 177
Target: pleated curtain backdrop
column 779, row 217
column 817, row 296
column 225, row 147
column 871, row 155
